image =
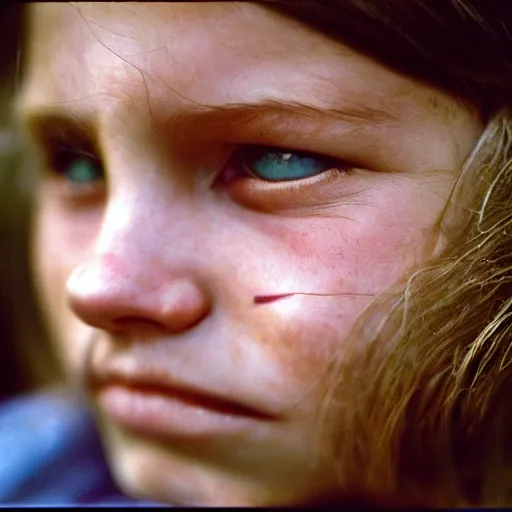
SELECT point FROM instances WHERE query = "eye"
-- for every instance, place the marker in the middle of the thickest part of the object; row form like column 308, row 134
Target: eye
column 78, row 168
column 275, row 165
column 274, row 179
column 74, row 173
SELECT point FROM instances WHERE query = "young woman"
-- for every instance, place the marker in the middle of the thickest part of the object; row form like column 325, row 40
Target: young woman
column 272, row 244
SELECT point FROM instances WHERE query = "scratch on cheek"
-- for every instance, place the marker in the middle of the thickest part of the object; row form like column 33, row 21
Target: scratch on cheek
column 266, row 299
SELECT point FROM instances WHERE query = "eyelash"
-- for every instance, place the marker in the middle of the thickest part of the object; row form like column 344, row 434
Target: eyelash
column 236, row 169
column 63, row 155
column 239, row 166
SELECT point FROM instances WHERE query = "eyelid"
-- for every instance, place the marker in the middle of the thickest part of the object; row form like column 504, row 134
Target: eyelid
column 283, row 149
column 48, row 126
column 54, row 136
column 316, row 191
column 74, row 151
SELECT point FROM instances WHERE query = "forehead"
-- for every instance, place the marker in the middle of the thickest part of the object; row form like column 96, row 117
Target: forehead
column 208, row 52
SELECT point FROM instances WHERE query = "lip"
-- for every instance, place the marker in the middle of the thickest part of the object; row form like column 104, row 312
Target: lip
column 147, row 406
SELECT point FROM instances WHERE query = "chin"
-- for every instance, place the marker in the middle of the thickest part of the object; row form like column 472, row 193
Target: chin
column 146, row 470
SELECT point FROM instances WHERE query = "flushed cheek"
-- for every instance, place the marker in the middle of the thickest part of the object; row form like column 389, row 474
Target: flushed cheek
column 340, row 256
column 379, row 258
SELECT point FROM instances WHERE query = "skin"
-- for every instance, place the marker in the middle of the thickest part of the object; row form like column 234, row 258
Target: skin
column 161, row 265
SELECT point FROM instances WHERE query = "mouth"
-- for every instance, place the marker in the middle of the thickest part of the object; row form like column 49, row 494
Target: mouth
column 145, row 406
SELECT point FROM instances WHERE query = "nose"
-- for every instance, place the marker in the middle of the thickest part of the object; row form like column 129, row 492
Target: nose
column 107, row 297
column 128, row 282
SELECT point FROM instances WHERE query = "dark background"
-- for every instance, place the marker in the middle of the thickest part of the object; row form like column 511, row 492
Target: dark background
column 24, row 357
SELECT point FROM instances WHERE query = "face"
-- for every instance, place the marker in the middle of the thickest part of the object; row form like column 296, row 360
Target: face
column 222, row 192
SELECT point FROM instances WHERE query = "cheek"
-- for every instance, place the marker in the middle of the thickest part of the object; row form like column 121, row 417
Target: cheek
column 59, row 245
column 347, row 264
column 302, row 334
column 340, row 256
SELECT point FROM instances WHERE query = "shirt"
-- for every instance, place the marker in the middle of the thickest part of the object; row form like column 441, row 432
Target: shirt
column 50, row 454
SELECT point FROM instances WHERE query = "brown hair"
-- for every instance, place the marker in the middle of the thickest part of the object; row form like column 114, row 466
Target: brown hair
column 462, row 46
column 426, row 421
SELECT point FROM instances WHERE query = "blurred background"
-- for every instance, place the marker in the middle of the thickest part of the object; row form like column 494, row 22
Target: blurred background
column 25, row 361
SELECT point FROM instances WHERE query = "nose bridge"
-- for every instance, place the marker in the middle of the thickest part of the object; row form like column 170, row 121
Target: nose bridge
column 126, row 225
column 148, row 230
column 149, row 204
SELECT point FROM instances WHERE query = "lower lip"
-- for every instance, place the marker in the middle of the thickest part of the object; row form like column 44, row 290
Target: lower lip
column 163, row 415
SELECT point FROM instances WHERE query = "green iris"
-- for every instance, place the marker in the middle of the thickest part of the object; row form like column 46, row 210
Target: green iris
column 83, row 170
column 78, row 168
column 282, row 165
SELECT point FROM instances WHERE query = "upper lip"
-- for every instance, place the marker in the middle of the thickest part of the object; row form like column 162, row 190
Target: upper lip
column 152, row 382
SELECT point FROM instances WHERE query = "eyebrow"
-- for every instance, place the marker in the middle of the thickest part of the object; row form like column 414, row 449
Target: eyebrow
column 356, row 113
column 42, row 121
column 270, row 111
column 46, row 124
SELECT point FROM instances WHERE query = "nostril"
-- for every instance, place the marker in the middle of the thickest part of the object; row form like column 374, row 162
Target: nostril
column 143, row 328
column 136, row 328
